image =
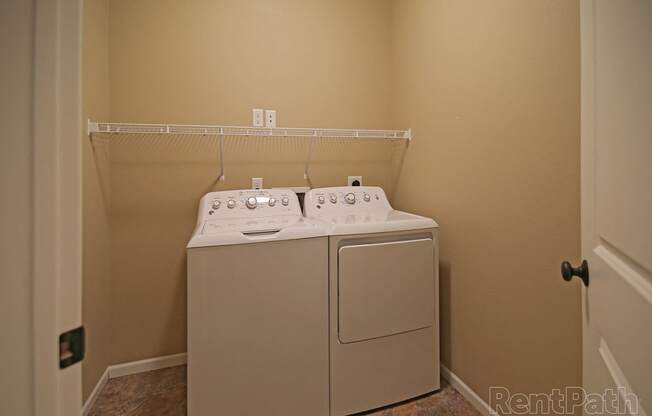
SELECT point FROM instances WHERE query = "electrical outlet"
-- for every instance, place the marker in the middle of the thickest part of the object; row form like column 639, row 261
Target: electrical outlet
column 256, row 183
column 270, row 118
column 258, row 117
column 354, row 181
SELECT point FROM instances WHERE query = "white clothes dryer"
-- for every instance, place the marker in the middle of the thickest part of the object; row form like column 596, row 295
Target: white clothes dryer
column 383, row 287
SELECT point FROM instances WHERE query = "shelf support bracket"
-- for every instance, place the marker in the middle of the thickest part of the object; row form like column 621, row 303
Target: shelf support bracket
column 221, row 146
column 306, row 168
column 91, row 127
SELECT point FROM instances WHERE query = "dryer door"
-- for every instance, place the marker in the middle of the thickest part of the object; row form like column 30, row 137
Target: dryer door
column 385, row 289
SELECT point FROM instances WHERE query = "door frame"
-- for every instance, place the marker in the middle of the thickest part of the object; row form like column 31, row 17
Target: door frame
column 57, row 215
column 587, row 162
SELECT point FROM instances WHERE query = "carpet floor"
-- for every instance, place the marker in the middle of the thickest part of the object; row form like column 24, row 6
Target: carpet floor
column 163, row 393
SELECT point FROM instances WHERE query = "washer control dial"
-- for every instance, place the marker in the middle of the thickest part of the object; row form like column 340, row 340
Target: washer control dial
column 285, row 201
column 321, row 199
column 230, row 204
column 216, row 204
column 333, row 198
column 366, row 197
column 350, row 198
column 271, row 202
column 251, row 202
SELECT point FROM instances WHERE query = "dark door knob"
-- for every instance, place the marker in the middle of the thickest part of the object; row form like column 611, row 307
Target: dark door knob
column 568, row 271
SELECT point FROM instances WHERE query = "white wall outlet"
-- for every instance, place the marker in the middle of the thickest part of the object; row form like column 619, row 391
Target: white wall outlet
column 258, row 117
column 270, row 118
column 354, row 181
column 256, row 183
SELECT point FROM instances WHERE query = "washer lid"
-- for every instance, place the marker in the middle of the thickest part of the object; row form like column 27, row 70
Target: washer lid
column 220, row 233
column 359, row 210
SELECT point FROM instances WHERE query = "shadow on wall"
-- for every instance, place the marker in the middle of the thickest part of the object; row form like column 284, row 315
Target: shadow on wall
column 281, row 161
column 153, row 188
column 445, row 272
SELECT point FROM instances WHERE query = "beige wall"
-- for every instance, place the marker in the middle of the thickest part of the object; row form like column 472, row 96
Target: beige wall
column 16, row 245
column 96, row 281
column 491, row 90
column 318, row 63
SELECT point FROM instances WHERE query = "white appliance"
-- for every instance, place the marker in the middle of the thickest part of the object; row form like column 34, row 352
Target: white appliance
column 383, row 287
column 257, row 307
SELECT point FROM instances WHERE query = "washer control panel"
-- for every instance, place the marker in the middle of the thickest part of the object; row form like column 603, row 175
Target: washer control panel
column 345, row 199
column 249, row 203
column 249, row 225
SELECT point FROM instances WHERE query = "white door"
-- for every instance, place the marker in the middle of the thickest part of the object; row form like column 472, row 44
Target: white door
column 617, row 203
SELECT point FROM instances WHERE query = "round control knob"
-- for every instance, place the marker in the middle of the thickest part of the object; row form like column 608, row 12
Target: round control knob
column 230, row 204
column 321, row 199
column 251, row 202
column 216, row 204
column 350, row 198
column 271, row 202
column 333, row 198
column 285, row 200
column 367, row 198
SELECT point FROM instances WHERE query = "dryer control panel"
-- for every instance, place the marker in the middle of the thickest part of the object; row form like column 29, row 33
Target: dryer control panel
column 247, row 204
column 345, row 199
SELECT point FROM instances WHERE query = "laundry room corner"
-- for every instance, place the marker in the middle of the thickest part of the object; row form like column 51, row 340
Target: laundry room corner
column 96, row 219
column 388, row 64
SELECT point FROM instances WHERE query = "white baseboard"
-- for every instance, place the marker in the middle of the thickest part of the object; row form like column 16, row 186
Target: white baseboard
column 134, row 367
column 471, row 396
column 150, row 364
column 88, row 405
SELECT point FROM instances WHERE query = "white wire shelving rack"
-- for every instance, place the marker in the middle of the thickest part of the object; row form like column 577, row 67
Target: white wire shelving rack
column 225, row 131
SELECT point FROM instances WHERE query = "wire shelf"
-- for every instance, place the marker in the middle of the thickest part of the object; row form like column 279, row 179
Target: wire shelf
column 216, row 130
column 225, row 131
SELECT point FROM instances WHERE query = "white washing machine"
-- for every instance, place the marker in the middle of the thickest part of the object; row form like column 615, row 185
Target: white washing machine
column 383, row 285
column 257, row 307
